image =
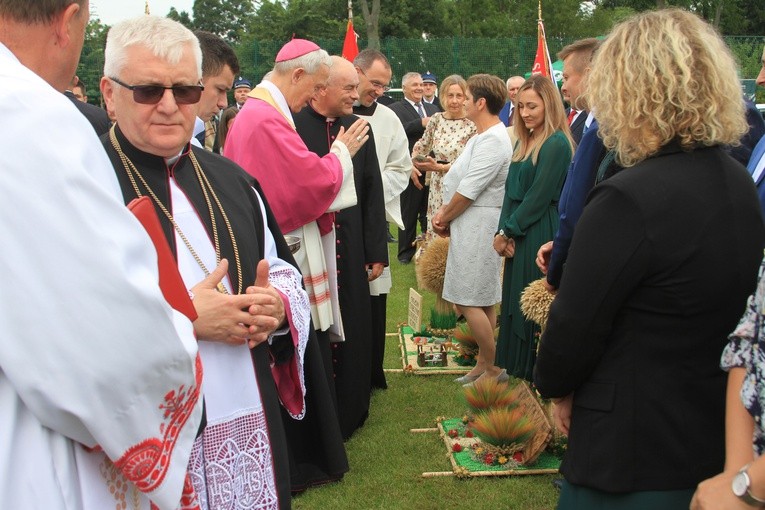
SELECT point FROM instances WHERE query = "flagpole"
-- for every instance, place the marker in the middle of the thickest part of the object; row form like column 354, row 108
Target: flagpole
column 542, row 60
column 350, row 45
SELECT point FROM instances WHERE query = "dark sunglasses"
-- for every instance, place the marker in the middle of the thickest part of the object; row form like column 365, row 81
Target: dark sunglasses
column 152, row 94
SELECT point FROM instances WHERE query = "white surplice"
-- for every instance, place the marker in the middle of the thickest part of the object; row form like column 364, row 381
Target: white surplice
column 91, row 354
column 231, row 465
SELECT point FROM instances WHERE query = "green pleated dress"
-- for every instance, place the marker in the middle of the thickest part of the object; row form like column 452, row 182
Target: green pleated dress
column 530, row 216
column 577, row 497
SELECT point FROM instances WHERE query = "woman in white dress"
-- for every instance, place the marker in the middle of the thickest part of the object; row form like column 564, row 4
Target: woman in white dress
column 473, row 193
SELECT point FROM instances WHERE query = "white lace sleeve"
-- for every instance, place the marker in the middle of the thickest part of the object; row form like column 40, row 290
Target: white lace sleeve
column 287, row 280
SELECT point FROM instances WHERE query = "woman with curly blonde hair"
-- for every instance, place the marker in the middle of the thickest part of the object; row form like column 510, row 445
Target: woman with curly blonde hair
column 660, row 267
column 647, row 95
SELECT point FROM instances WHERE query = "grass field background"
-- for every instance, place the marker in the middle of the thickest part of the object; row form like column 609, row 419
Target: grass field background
column 387, row 460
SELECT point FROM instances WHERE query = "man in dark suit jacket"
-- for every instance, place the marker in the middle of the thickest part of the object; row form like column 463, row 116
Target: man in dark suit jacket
column 576, row 59
column 506, row 113
column 414, row 114
column 95, row 115
column 756, row 165
column 756, row 168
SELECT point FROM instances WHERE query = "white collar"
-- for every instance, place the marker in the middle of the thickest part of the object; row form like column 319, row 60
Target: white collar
column 279, row 98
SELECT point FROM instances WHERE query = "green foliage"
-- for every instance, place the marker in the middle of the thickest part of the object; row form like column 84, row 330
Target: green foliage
column 306, row 19
column 445, row 37
column 223, row 17
column 739, row 17
column 181, row 17
column 91, row 65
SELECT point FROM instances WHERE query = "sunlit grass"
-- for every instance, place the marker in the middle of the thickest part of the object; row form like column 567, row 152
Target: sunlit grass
column 387, row 460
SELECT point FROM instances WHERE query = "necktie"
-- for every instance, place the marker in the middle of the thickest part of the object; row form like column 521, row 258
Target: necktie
column 420, row 110
column 571, row 115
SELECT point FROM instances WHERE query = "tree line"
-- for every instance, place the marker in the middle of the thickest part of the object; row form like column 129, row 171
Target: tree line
column 400, row 27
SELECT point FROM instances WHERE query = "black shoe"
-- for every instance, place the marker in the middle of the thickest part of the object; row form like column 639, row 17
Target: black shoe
column 558, row 483
column 391, row 239
column 404, row 261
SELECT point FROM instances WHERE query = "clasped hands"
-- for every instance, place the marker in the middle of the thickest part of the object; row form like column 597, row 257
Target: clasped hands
column 235, row 319
column 503, row 246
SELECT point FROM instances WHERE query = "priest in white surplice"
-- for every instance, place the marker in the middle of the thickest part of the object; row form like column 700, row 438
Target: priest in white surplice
column 91, row 355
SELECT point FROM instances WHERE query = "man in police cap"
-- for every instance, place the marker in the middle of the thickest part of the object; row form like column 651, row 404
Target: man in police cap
column 242, row 87
column 429, row 90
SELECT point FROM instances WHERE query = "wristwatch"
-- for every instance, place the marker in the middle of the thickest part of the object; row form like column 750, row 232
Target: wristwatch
column 501, row 232
column 742, row 488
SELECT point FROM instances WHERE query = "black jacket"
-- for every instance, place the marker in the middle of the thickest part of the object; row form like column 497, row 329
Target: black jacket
column 658, row 274
column 411, row 120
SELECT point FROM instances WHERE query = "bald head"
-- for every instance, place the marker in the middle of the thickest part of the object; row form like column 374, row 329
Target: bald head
column 337, row 99
column 340, row 68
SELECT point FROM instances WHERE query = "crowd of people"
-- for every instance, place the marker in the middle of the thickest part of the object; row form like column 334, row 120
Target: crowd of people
column 219, row 274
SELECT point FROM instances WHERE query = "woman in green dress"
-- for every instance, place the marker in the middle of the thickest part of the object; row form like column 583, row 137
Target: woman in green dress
column 529, row 215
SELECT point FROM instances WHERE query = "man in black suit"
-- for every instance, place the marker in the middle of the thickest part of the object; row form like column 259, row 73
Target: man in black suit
column 414, row 114
column 79, row 90
column 576, row 59
column 95, row 115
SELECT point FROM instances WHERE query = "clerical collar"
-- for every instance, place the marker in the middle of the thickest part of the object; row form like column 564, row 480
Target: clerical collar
column 144, row 158
column 360, row 109
column 171, row 161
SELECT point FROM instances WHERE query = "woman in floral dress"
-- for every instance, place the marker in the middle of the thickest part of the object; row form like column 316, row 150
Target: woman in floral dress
column 445, row 137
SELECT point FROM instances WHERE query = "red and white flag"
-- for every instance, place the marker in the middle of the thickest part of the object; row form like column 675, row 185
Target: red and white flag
column 542, row 61
column 350, row 47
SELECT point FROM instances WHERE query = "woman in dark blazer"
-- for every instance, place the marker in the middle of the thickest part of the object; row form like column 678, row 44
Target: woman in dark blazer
column 661, row 263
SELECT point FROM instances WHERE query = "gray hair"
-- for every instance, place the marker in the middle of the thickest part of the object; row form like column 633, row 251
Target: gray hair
column 409, row 77
column 507, row 83
column 167, row 39
column 37, row 11
column 311, row 62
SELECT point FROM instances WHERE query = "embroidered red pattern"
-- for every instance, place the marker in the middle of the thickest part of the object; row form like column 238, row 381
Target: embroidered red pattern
column 146, row 463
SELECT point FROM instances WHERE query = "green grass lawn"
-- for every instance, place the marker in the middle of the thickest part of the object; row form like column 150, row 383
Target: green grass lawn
column 387, row 460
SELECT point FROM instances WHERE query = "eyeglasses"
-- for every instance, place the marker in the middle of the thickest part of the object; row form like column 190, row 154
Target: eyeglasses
column 375, row 84
column 152, row 94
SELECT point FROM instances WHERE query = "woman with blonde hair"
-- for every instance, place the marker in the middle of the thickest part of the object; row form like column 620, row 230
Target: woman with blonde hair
column 661, row 264
column 445, row 137
column 529, row 213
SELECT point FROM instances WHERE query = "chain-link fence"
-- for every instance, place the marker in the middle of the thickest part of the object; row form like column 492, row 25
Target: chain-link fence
column 503, row 57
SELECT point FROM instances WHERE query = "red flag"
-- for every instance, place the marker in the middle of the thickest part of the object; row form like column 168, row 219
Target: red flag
column 542, row 62
column 350, row 48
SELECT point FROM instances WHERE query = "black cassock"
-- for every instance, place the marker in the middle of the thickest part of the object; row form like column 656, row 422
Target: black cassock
column 361, row 239
column 305, row 452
